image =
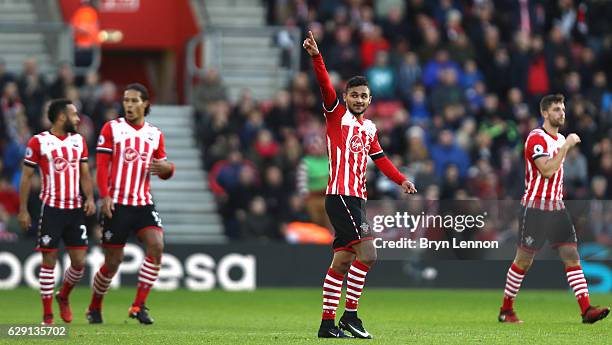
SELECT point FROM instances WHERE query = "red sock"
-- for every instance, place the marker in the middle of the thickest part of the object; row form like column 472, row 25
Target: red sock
column 576, row 280
column 514, row 278
column 332, row 290
column 355, row 281
column 72, row 276
column 146, row 278
column 46, row 279
column 102, row 282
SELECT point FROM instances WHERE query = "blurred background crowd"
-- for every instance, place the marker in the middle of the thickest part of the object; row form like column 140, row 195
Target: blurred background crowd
column 455, row 85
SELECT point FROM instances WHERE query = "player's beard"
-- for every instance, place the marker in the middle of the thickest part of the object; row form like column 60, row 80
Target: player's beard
column 558, row 123
column 358, row 113
column 70, row 128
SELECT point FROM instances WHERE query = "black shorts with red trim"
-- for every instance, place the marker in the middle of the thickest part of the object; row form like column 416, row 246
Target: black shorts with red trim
column 127, row 220
column 65, row 224
column 538, row 226
column 348, row 217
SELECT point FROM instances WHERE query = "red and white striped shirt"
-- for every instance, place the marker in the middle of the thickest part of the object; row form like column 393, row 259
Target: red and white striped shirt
column 132, row 151
column 349, row 142
column 541, row 192
column 59, row 162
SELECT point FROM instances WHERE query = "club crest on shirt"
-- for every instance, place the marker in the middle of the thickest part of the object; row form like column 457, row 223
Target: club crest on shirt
column 46, row 240
column 108, row 235
column 529, row 240
column 356, row 144
column 365, row 228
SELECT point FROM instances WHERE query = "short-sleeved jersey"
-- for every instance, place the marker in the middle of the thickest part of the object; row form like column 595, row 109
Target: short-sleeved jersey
column 59, row 162
column 349, row 143
column 132, row 151
column 541, row 192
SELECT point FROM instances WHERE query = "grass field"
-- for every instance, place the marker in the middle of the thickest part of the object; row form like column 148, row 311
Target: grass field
column 291, row 316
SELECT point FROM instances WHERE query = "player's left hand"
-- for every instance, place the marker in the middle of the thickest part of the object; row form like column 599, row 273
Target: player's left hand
column 160, row 167
column 408, row 187
column 89, row 208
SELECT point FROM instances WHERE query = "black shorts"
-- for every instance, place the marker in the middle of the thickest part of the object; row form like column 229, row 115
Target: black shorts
column 56, row 223
column 127, row 220
column 348, row 216
column 538, row 226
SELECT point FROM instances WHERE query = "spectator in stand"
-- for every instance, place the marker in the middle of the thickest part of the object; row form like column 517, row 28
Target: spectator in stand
column 372, row 42
column 258, row 223
column 9, row 198
column 575, row 177
column 394, row 27
column 280, row 117
column 5, row 76
column 63, row 80
column 344, row 56
column 446, row 152
column 538, row 80
column 447, row 91
column 107, row 101
column 11, row 110
column 86, row 26
column 208, row 89
column 90, row 91
column 312, row 175
column 433, row 69
column 33, row 93
column 381, row 78
column 600, row 211
column 409, row 73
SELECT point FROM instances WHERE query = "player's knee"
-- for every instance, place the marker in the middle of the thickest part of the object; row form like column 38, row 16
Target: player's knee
column 78, row 264
column 569, row 254
column 524, row 264
column 341, row 267
column 155, row 250
column 112, row 262
column 49, row 258
column 368, row 259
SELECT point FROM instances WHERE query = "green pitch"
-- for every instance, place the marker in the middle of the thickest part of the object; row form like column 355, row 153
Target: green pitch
column 291, row 316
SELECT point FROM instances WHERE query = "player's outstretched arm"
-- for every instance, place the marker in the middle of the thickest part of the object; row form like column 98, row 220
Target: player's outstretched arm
column 548, row 167
column 327, row 89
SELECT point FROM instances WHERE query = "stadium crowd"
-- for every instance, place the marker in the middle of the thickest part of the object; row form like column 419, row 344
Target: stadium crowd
column 456, row 86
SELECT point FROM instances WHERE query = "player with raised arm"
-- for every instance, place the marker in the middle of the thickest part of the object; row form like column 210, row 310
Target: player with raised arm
column 61, row 156
column 129, row 150
column 543, row 214
column 350, row 140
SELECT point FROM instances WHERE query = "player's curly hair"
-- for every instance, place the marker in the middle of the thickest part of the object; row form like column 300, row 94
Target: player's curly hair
column 549, row 100
column 144, row 94
column 56, row 107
